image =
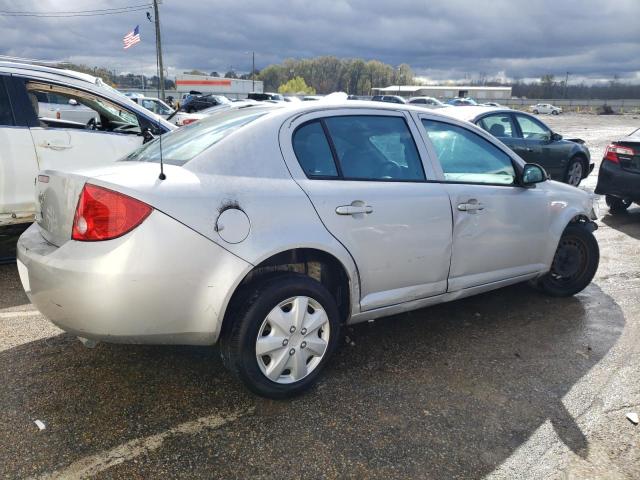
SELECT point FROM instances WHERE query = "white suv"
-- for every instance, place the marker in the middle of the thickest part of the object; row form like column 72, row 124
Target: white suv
column 54, row 118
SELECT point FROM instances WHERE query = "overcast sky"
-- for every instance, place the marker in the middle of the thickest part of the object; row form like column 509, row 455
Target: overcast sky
column 440, row 39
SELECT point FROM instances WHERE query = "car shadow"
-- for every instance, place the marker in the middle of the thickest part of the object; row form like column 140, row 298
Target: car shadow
column 12, row 293
column 445, row 392
column 627, row 222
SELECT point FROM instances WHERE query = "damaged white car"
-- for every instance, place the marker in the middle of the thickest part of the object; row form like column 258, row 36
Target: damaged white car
column 268, row 229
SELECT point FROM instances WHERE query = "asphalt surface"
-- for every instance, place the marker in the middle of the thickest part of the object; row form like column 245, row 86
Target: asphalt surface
column 509, row 384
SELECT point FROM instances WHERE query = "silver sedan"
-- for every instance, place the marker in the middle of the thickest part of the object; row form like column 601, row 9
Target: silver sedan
column 267, row 229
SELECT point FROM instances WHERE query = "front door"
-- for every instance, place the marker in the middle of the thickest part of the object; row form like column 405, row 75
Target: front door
column 500, row 228
column 540, row 146
column 365, row 177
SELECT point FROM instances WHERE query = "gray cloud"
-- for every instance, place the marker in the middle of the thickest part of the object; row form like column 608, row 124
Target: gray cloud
column 439, row 38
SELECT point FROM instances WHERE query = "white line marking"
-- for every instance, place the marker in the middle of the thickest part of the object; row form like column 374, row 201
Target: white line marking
column 28, row 313
column 91, row 466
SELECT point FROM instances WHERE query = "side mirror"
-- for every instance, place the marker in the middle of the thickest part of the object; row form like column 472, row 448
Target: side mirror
column 147, row 135
column 532, row 174
column 555, row 137
column 73, row 101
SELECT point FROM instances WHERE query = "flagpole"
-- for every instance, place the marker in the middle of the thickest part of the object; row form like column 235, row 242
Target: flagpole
column 159, row 50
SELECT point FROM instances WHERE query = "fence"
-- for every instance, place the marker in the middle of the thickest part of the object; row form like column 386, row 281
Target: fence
column 583, row 106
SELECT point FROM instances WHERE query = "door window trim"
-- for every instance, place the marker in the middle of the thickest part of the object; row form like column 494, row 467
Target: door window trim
column 340, row 176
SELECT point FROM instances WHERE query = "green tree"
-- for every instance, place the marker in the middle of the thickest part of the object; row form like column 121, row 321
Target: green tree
column 296, row 85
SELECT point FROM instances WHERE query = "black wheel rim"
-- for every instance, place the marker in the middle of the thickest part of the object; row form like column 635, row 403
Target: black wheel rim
column 570, row 261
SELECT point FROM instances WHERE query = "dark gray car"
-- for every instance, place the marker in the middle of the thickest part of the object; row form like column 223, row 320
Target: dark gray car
column 565, row 160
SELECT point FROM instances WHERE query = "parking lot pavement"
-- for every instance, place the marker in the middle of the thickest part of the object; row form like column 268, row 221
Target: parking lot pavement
column 509, row 384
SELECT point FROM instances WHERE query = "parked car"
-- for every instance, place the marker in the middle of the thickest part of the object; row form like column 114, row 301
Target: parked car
column 311, row 98
column 275, row 227
column 389, row 99
column 428, row 102
column 33, row 139
column 266, row 96
column 195, row 103
column 545, row 108
column 182, row 119
column 566, row 160
column 154, row 105
column 493, row 104
column 462, row 102
column 60, row 107
column 619, row 175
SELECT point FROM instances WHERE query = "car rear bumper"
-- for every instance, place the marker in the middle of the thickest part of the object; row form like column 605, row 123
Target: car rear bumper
column 161, row 283
column 613, row 180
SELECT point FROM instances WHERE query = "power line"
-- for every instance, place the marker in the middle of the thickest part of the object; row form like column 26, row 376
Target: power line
column 79, row 13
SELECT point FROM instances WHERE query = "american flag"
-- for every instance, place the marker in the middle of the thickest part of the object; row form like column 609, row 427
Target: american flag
column 131, row 38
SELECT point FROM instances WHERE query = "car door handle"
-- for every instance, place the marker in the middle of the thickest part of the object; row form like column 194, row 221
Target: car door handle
column 54, row 146
column 353, row 209
column 471, row 206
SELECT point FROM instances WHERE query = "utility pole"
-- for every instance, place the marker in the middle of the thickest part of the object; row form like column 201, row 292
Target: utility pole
column 253, row 71
column 159, row 49
column 566, row 85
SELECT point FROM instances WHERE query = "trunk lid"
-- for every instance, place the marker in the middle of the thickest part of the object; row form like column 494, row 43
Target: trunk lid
column 57, row 196
column 630, row 163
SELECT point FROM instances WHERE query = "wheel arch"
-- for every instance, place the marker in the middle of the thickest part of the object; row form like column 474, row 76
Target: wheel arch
column 577, row 153
column 570, row 216
column 341, row 280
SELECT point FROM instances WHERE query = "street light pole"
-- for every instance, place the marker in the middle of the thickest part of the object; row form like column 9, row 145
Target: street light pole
column 159, row 48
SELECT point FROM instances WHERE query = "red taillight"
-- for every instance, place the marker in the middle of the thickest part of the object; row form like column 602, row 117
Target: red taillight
column 614, row 150
column 187, row 121
column 103, row 214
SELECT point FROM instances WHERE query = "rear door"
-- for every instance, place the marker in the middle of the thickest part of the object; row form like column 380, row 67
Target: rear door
column 363, row 172
column 500, row 229
column 502, row 126
column 18, row 163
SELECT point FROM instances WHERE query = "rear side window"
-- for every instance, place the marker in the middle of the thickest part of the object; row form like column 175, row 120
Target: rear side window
column 468, row 158
column 500, row 126
column 313, row 152
column 6, row 114
column 375, row 148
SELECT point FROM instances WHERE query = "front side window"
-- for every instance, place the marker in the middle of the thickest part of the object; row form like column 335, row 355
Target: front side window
column 70, row 108
column 532, row 129
column 375, row 148
column 6, row 114
column 467, row 157
column 500, row 126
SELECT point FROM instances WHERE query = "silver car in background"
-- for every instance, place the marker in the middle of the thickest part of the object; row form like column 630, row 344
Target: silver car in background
column 270, row 228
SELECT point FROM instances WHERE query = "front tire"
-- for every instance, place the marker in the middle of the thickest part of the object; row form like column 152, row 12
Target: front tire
column 574, row 173
column 536, row 112
column 284, row 332
column 574, row 264
column 617, row 205
column 554, row 112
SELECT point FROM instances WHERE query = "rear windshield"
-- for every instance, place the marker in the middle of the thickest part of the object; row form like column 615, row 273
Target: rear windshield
column 185, row 143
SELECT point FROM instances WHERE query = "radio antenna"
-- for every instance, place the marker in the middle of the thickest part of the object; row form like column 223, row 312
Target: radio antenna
column 162, row 176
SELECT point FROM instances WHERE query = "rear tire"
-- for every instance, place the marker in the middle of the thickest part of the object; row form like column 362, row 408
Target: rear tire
column 617, row 205
column 293, row 356
column 574, row 264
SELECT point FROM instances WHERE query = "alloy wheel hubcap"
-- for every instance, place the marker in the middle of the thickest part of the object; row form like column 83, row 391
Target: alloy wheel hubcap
column 292, row 340
column 575, row 174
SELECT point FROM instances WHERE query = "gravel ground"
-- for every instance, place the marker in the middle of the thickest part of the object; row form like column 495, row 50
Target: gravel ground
column 509, row 384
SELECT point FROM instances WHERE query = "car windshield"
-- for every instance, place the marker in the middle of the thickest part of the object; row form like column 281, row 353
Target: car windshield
column 182, row 145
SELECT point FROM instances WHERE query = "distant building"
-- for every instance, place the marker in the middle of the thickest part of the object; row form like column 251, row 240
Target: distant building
column 446, row 92
column 231, row 87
